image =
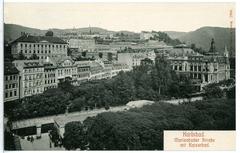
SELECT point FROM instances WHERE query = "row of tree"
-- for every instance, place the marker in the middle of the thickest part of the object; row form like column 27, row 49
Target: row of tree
column 142, row 129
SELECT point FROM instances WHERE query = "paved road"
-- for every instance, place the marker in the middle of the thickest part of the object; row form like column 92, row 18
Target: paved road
column 82, row 115
column 39, row 144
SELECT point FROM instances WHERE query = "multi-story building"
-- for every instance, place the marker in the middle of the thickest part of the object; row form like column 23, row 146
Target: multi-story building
column 134, row 59
column 32, row 77
column 65, row 68
column 11, row 82
column 82, row 44
column 96, row 70
column 50, row 76
column 202, row 69
column 83, row 71
column 42, row 46
column 117, row 67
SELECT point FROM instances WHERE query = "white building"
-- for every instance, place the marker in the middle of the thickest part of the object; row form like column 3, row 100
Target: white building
column 32, row 77
column 134, row 59
column 42, row 46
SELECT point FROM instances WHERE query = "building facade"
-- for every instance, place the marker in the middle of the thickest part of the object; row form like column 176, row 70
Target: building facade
column 134, row 59
column 202, row 69
column 42, row 46
column 50, row 76
column 11, row 82
column 31, row 74
column 83, row 71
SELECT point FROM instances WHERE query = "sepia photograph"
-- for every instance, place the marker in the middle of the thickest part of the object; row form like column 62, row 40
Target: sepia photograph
column 119, row 76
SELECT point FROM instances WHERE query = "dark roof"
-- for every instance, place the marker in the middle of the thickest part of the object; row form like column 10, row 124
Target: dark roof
column 38, row 39
column 32, row 64
column 9, row 69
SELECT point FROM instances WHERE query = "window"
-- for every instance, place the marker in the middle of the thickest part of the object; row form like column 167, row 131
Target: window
column 10, row 93
column 191, row 67
column 175, row 68
column 6, row 86
column 6, row 95
column 180, row 68
column 195, row 68
column 15, row 93
column 199, row 76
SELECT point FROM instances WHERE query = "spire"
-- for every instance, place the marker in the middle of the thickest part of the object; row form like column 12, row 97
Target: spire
column 226, row 52
column 90, row 31
column 212, row 48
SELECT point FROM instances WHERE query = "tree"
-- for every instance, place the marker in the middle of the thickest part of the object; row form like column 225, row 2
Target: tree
column 66, row 86
column 21, row 56
column 49, row 33
column 69, row 52
column 84, row 53
column 9, row 141
column 74, row 136
column 110, row 56
column 231, row 93
column 161, row 76
column 100, row 55
column 33, row 57
column 213, row 91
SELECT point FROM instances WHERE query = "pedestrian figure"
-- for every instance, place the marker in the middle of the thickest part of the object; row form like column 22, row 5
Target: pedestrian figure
column 32, row 139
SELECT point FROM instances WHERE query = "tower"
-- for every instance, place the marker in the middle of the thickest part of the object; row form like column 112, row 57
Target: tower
column 226, row 54
column 212, row 47
column 90, row 30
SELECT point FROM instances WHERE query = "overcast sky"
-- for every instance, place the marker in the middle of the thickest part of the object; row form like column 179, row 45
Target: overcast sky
column 120, row 16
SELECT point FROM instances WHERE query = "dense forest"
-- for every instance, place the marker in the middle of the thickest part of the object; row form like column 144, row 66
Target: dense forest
column 150, row 82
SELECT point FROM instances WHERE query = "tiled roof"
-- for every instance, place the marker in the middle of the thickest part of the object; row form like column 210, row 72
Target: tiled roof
column 9, row 69
column 38, row 39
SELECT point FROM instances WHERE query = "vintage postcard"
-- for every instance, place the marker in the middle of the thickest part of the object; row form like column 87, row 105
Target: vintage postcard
column 119, row 76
